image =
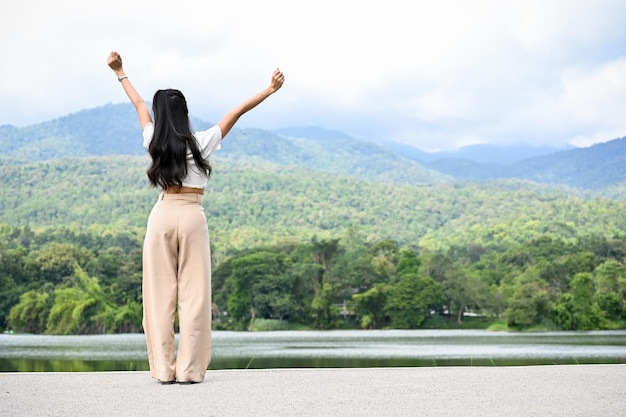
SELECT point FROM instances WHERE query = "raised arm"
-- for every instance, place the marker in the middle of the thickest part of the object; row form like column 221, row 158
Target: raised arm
column 229, row 120
column 115, row 62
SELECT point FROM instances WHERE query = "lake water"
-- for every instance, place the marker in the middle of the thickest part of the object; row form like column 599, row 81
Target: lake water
column 314, row 349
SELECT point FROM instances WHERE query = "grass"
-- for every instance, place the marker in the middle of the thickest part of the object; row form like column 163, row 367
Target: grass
column 264, row 325
column 442, row 322
column 498, row 326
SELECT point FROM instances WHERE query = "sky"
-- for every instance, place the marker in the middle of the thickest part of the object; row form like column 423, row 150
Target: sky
column 437, row 75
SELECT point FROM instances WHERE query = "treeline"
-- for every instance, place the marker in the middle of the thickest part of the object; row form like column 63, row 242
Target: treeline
column 65, row 281
column 250, row 203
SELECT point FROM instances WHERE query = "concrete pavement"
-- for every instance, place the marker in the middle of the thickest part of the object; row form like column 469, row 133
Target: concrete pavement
column 551, row 390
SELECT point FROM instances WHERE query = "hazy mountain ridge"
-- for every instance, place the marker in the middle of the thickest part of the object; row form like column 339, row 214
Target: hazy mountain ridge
column 312, row 132
column 113, row 130
column 481, row 154
column 597, row 167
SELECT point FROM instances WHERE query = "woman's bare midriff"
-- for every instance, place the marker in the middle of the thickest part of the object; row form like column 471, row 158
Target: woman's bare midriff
column 181, row 190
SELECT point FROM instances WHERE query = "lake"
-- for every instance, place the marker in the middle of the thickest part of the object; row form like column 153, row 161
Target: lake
column 315, row 349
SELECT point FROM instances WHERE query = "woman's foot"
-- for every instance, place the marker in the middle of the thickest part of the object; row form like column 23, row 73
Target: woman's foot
column 166, row 382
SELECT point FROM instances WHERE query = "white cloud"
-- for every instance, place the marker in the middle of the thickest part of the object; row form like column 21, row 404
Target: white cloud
column 429, row 73
column 597, row 95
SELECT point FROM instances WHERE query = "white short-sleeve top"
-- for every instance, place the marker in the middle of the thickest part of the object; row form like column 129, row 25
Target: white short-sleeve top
column 208, row 142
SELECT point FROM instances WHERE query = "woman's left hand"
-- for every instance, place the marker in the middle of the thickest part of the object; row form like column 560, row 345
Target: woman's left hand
column 278, row 78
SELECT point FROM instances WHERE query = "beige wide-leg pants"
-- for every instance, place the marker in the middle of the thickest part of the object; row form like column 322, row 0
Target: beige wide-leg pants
column 177, row 270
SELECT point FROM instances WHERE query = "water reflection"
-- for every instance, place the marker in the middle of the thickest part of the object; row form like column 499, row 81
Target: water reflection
column 292, row 349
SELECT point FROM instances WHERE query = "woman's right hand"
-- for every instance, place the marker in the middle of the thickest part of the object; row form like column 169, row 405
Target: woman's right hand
column 115, row 62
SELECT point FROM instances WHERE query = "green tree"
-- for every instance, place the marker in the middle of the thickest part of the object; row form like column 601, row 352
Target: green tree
column 576, row 310
column 530, row 302
column 81, row 308
column 384, row 257
column 369, row 307
column 408, row 263
column 31, row 314
column 610, row 284
column 409, row 300
column 128, row 318
column 17, row 274
column 275, row 296
column 255, row 281
column 463, row 288
column 325, row 312
column 57, row 261
column 352, row 267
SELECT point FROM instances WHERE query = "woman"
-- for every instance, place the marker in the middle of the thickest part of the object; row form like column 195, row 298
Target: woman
column 176, row 253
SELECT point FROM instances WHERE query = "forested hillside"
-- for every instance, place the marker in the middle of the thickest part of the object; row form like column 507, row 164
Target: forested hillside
column 249, row 202
column 597, row 167
column 106, row 130
column 323, row 232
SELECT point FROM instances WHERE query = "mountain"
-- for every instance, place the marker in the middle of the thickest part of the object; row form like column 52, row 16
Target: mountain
column 312, row 132
column 88, row 168
column 114, row 130
column 105, row 130
column 596, row 167
column 506, row 154
column 482, row 154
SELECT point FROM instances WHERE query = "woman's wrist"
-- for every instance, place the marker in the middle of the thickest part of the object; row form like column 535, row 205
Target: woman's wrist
column 121, row 75
column 269, row 91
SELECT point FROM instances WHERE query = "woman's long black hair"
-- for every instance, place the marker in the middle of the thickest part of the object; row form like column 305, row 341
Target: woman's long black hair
column 172, row 140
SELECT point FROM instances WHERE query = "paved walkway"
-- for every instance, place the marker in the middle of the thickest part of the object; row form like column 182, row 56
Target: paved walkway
column 551, row 390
